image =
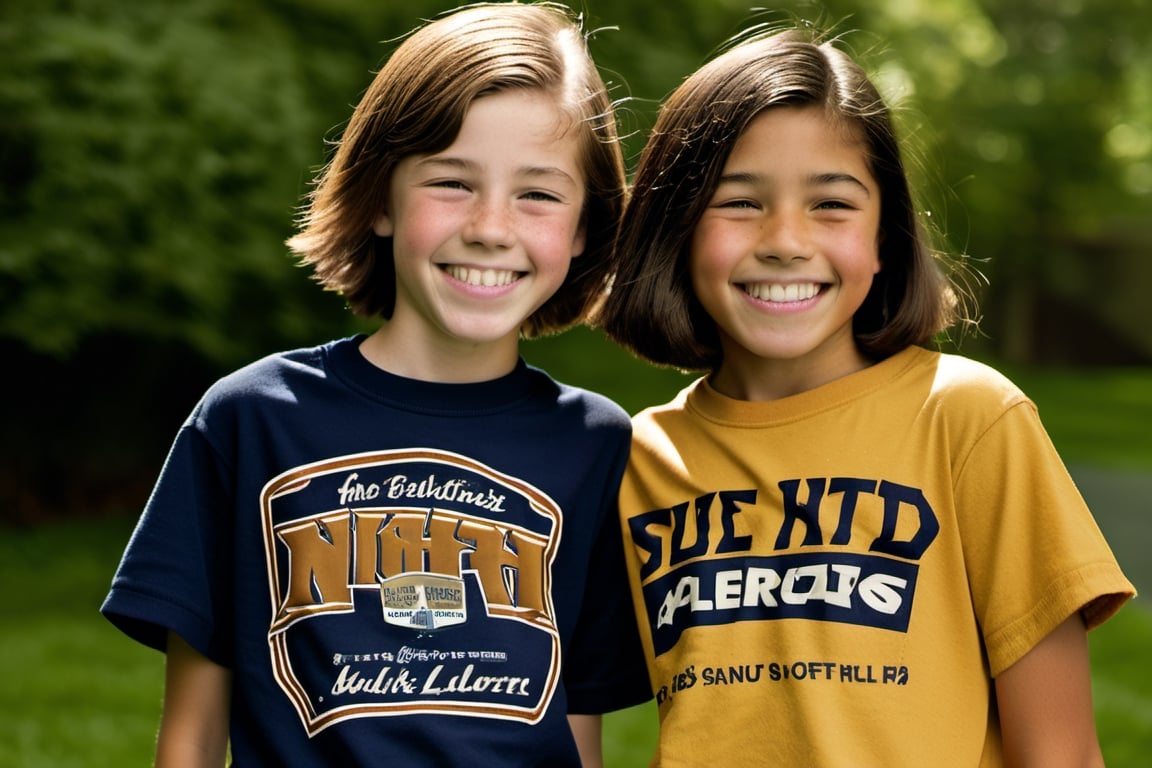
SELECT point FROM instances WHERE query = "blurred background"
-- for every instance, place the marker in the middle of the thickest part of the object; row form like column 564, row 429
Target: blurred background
column 153, row 155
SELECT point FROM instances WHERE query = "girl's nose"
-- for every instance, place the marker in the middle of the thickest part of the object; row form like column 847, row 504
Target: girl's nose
column 783, row 237
column 490, row 225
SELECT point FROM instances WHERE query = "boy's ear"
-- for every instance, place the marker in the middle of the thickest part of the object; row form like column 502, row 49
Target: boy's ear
column 580, row 239
column 383, row 226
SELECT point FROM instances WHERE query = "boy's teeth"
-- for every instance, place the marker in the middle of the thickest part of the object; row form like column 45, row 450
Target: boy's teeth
column 782, row 293
column 483, row 277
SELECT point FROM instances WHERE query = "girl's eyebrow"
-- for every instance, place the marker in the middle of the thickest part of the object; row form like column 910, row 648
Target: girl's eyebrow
column 838, row 178
column 739, row 178
column 462, row 165
column 816, row 179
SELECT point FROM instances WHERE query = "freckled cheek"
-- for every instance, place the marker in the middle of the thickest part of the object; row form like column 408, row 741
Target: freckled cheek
column 552, row 239
column 863, row 252
column 709, row 273
column 409, row 246
column 711, row 256
column 421, row 230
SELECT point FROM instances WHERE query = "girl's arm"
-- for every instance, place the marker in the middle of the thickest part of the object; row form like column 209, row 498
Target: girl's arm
column 194, row 723
column 1045, row 702
column 586, row 730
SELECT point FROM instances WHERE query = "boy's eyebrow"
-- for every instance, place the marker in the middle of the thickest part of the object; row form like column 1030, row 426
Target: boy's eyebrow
column 461, row 164
column 816, row 179
column 549, row 170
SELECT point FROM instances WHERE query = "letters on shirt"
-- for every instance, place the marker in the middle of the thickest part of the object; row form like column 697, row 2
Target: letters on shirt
column 377, row 561
column 854, row 561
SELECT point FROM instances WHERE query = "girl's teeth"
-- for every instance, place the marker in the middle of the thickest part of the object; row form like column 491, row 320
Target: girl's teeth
column 484, row 277
column 782, row 293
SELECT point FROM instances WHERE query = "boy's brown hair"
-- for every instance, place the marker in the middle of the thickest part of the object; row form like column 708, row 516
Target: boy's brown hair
column 652, row 309
column 416, row 104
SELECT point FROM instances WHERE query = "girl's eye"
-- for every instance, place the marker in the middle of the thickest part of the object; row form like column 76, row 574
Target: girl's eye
column 736, row 204
column 834, row 205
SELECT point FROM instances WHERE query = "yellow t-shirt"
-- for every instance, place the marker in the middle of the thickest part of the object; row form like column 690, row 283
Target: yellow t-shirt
column 834, row 578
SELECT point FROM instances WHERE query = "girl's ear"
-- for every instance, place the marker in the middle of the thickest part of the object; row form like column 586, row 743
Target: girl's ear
column 383, row 225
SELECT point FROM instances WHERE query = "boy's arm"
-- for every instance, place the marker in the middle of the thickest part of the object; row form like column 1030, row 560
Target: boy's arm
column 194, row 723
column 586, row 730
column 1045, row 702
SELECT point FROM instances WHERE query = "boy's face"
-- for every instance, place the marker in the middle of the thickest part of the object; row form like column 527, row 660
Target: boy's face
column 483, row 232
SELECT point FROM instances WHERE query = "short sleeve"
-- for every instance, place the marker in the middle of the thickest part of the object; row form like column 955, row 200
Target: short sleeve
column 604, row 667
column 175, row 572
column 1033, row 551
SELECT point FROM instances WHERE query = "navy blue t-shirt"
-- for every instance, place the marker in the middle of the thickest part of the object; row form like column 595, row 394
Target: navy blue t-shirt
column 395, row 571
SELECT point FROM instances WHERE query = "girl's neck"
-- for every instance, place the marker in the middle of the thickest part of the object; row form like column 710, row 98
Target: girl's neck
column 432, row 360
column 748, row 377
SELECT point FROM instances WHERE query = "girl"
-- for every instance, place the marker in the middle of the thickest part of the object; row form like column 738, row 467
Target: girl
column 845, row 549
column 370, row 552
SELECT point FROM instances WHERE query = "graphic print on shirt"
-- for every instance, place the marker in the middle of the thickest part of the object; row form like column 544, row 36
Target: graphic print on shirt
column 414, row 581
column 832, row 549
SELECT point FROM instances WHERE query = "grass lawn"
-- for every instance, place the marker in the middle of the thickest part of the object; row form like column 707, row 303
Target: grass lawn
column 77, row 693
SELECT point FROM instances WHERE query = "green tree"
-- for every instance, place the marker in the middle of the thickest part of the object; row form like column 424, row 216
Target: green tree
column 152, row 156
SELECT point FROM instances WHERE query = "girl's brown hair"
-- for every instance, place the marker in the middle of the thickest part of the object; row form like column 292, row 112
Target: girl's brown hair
column 652, row 309
column 416, row 105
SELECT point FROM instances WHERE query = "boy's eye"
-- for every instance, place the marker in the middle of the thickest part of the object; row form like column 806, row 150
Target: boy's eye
column 448, row 184
column 540, row 195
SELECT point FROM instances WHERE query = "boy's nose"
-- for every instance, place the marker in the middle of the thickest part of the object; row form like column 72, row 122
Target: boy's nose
column 490, row 225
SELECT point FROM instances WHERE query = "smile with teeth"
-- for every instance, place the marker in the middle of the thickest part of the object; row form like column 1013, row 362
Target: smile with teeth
column 781, row 294
column 487, row 278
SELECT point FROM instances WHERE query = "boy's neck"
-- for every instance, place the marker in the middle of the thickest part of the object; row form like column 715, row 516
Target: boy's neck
column 404, row 356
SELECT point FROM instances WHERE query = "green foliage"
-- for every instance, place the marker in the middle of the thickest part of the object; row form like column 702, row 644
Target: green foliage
column 586, row 358
column 1029, row 129
column 1095, row 416
column 1044, row 144
column 153, row 154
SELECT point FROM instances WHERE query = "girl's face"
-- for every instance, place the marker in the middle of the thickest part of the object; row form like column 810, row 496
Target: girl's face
column 785, row 254
column 484, row 231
